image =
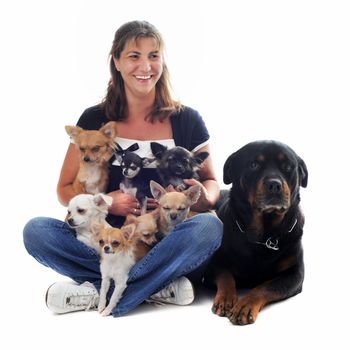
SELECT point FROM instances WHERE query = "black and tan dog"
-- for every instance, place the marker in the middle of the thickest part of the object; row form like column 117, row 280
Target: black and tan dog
column 263, row 226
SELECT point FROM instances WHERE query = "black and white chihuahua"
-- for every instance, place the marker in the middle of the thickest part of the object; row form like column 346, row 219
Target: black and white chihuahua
column 176, row 164
column 132, row 165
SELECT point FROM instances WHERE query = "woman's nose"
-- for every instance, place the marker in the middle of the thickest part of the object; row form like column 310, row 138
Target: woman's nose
column 145, row 65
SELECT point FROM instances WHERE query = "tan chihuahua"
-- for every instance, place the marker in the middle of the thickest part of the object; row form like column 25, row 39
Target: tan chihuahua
column 173, row 206
column 95, row 148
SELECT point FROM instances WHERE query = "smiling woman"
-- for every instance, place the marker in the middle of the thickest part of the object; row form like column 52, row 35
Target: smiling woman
column 140, row 103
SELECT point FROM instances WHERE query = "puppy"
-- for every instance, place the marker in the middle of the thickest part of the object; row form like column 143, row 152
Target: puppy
column 132, row 165
column 176, row 164
column 95, row 148
column 146, row 226
column 119, row 251
column 173, row 206
column 83, row 210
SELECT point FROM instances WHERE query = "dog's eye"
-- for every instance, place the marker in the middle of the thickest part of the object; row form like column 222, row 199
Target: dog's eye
column 166, row 208
column 287, row 167
column 82, row 149
column 68, row 212
column 254, row 165
column 95, row 149
column 101, row 242
column 146, row 234
column 181, row 208
column 115, row 244
column 81, row 211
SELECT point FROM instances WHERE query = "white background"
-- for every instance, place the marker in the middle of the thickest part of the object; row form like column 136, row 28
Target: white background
column 254, row 70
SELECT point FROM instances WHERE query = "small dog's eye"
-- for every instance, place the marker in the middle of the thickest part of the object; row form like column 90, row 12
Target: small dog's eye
column 166, row 208
column 95, row 149
column 101, row 242
column 115, row 244
column 146, row 234
column 254, row 165
column 68, row 212
column 81, row 211
column 82, row 149
column 181, row 208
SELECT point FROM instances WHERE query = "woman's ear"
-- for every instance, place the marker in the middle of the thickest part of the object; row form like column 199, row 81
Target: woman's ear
column 116, row 64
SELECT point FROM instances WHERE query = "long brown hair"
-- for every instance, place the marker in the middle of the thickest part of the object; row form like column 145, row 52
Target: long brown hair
column 114, row 105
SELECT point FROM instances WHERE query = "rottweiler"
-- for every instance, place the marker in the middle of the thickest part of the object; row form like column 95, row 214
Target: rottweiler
column 263, row 225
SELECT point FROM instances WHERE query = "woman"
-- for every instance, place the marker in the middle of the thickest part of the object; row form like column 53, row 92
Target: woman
column 138, row 98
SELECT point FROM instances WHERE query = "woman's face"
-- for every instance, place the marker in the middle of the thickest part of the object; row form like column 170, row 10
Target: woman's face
column 140, row 65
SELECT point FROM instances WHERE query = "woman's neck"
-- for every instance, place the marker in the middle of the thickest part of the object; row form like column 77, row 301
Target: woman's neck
column 139, row 107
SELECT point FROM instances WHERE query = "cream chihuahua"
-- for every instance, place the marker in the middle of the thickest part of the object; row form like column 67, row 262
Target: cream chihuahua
column 119, row 251
column 85, row 210
column 95, row 148
column 173, row 206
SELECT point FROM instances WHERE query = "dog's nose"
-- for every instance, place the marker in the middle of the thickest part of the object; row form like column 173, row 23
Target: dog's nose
column 71, row 222
column 86, row 159
column 173, row 216
column 106, row 248
column 273, row 186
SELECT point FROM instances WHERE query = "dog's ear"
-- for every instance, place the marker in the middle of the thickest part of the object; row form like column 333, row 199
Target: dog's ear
column 303, row 173
column 134, row 147
column 95, row 228
column 73, row 131
column 130, row 219
column 201, row 157
column 128, row 231
column 158, row 149
column 193, row 193
column 101, row 199
column 109, row 130
column 229, row 168
column 156, row 189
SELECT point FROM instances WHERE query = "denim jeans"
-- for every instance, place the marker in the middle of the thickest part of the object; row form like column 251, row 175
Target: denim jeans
column 185, row 250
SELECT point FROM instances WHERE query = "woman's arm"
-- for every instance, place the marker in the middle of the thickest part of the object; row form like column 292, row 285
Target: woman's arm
column 210, row 188
column 68, row 173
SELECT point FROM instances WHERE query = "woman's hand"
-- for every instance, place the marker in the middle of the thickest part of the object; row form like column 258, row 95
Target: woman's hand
column 123, row 204
column 203, row 203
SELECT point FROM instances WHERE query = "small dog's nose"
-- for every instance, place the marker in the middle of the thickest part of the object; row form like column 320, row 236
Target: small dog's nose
column 273, row 186
column 71, row 222
column 106, row 248
column 86, row 159
column 173, row 216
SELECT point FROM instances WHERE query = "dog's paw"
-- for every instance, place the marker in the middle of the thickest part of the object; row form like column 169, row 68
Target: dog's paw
column 245, row 311
column 101, row 307
column 223, row 305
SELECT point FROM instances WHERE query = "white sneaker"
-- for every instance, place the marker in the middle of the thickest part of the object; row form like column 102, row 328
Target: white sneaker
column 178, row 292
column 62, row 297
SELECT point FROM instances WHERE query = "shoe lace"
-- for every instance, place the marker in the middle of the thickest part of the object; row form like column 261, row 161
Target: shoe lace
column 164, row 294
column 88, row 301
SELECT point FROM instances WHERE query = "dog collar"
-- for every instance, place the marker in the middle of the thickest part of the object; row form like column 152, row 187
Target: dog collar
column 270, row 243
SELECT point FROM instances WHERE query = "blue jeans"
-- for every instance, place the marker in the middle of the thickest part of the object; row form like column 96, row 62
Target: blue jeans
column 185, row 250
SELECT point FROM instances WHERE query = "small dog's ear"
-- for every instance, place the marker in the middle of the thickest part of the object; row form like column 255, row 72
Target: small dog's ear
column 130, row 219
column 156, row 189
column 109, row 130
column 155, row 213
column 101, row 199
column 73, row 131
column 134, row 147
column 303, row 173
column 95, row 228
column 158, row 149
column 201, row 157
column 193, row 193
column 128, row 231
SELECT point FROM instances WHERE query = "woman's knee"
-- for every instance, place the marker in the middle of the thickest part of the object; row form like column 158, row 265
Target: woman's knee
column 203, row 230
column 37, row 231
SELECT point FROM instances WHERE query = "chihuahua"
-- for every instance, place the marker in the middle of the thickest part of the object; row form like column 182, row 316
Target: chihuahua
column 95, row 148
column 85, row 209
column 146, row 228
column 132, row 165
column 173, row 206
column 176, row 164
column 119, row 252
